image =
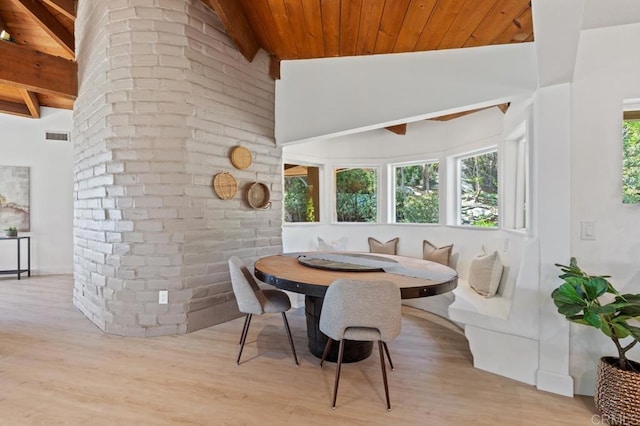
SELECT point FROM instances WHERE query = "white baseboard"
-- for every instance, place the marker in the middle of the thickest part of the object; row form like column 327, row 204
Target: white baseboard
column 550, row 381
column 52, row 271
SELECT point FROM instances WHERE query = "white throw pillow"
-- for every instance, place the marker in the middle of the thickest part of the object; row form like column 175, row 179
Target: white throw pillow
column 337, row 245
column 485, row 273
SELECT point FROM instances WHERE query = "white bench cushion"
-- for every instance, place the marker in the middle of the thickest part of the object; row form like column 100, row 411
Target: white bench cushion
column 468, row 304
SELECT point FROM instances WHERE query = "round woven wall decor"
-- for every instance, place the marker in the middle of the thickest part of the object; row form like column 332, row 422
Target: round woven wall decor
column 241, row 157
column 225, row 185
column 258, row 196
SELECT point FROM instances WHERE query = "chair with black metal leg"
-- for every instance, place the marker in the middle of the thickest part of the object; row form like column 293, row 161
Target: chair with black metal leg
column 365, row 311
column 254, row 301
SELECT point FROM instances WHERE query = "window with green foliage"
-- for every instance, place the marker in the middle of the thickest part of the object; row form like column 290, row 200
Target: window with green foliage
column 301, row 193
column 356, row 194
column 478, row 189
column 416, row 193
column 631, row 157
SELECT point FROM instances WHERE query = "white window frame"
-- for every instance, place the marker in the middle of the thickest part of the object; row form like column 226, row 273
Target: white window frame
column 321, row 183
column 334, row 195
column 457, row 190
column 392, row 189
column 521, row 201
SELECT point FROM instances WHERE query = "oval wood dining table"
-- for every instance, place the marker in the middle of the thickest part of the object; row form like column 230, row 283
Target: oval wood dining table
column 287, row 273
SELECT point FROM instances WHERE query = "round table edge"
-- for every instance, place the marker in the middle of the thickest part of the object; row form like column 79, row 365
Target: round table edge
column 319, row 290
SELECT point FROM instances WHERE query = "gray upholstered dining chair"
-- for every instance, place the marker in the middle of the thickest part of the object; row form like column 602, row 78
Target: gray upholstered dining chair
column 252, row 300
column 361, row 310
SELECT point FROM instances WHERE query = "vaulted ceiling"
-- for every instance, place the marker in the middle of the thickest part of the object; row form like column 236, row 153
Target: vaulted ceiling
column 38, row 64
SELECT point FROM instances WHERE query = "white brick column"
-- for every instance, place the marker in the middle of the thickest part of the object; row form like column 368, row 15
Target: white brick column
column 164, row 95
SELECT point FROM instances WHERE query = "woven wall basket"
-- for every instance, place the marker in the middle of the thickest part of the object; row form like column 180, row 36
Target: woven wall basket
column 618, row 393
column 258, row 196
column 240, row 157
column 225, row 185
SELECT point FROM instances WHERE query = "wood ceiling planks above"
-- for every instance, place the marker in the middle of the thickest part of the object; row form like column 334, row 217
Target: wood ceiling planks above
column 38, row 67
column 302, row 29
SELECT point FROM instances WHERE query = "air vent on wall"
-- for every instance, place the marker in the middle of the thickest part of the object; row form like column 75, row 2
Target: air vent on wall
column 58, row 136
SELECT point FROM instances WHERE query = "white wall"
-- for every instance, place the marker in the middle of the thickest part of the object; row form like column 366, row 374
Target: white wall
column 606, row 73
column 22, row 143
column 353, row 94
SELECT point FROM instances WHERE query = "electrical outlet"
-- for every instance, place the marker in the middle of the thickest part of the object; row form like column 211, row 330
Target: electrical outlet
column 163, row 297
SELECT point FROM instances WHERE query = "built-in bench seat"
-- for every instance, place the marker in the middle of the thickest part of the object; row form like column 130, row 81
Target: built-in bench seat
column 502, row 330
column 467, row 301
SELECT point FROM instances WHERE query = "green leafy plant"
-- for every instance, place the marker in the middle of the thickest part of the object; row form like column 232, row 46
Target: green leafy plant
column 11, row 229
column 579, row 300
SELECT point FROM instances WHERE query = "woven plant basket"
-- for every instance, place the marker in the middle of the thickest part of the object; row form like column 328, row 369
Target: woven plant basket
column 225, row 185
column 241, row 157
column 258, row 195
column 618, row 393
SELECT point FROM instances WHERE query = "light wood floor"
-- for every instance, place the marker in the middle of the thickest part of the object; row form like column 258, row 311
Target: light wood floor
column 58, row 368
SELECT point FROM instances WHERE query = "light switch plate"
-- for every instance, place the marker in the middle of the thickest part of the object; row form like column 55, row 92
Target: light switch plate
column 587, row 230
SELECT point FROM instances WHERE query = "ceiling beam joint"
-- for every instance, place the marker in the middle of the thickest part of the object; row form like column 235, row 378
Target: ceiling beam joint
column 38, row 72
column 49, row 24
column 14, row 108
column 236, row 23
column 31, row 101
column 398, row 129
column 65, row 7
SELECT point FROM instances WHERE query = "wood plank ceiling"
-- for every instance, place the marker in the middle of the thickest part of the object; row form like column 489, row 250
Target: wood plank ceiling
column 301, row 29
column 38, row 65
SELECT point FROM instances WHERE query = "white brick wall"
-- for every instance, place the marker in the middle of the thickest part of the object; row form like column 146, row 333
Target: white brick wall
column 154, row 121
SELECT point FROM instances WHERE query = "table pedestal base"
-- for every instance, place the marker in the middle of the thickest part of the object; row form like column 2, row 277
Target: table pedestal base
column 353, row 350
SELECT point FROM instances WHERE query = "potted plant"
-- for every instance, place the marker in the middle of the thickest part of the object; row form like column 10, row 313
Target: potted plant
column 580, row 299
column 11, row 231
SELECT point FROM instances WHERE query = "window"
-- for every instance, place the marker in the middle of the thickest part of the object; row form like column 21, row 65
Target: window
column 416, row 193
column 521, row 182
column 478, row 189
column 631, row 157
column 356, row 194
column 301, row 193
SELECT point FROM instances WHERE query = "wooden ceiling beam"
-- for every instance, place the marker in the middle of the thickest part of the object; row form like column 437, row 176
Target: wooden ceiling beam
column 66, row 7
column 398, row 129
column 14, row 108
column 274, row 67
column 237, row 25
column 49, row 24
column 31, row 101
column 502, row 107
column 38, row 72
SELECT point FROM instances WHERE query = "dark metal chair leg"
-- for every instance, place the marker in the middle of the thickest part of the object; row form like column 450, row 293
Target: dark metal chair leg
column 243, row 338
column 326, row 350
column 244, row 327
column 335, row 386
column 286, row 326
column 386, row 349
column 384, row 376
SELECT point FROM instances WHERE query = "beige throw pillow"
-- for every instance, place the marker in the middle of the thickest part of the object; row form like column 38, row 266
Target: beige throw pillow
column 390, row 247
column 441, row 255
column 485, row 273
